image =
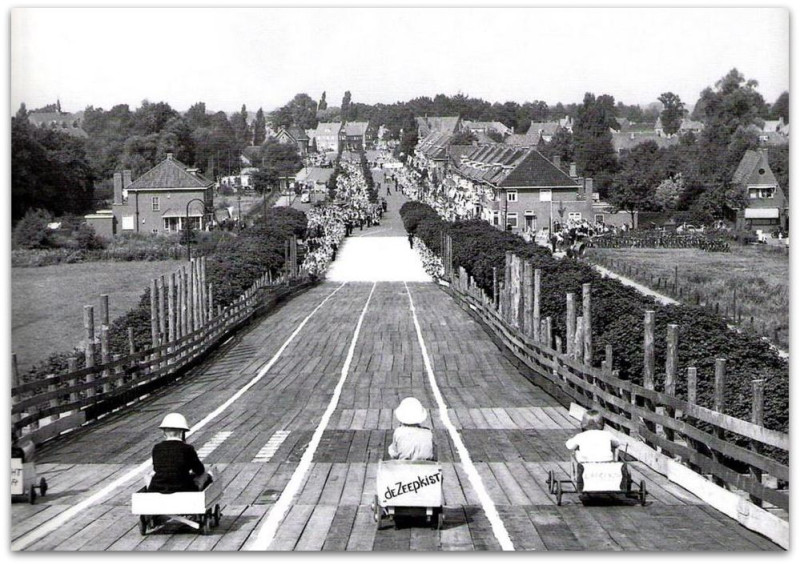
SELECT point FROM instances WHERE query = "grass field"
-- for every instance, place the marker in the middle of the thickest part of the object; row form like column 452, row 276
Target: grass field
column 759, row 274
column 47, row 302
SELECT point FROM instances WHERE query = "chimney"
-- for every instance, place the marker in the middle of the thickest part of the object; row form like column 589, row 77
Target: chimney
column 557, row 161
column 126, row 179
column 588, row 187
column 117, row 188
column 169, row 156
column 573, row 170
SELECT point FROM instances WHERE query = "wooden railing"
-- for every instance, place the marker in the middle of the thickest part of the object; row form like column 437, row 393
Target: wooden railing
column 724, row 448
column 45, row 408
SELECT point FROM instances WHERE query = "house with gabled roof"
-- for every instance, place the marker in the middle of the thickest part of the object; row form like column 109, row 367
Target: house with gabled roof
column 487, row 127
column 767, row 207
column 518, row 189
column 327, row 136
column 442, row 124
column 294, row 136
column 353, row 136
column 163, row 199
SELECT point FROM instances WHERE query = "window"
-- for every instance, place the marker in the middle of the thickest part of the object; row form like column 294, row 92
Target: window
column 511, row 220
column 762, row 192
column 574, row 216
column 599, row 219
column 496, row 219
column 127, row 223
column 511, row 195
column 156, row 204
column 545, row 195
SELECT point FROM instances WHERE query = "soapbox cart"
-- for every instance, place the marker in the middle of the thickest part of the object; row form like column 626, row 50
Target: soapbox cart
column 598, row 478
column 199, row 510
column 408, row 488
column 24, row 480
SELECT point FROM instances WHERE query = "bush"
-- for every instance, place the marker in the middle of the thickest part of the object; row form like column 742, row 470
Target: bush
column 87, row 240
column 31, row 231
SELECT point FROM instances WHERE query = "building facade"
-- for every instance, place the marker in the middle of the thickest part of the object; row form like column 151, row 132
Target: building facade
column 767, row 207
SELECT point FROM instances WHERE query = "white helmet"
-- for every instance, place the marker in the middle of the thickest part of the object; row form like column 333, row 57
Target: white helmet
column 411, row 411
column 174, row 421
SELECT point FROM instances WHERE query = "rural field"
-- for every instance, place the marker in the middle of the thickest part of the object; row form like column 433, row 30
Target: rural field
column 47, row 302
column 759, row 276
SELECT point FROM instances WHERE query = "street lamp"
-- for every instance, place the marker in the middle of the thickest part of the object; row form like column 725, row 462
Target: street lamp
column 188, row 231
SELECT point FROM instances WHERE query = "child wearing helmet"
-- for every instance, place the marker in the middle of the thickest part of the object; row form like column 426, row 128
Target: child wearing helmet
column 176, row 464
column 593, row 443
column 411, row 441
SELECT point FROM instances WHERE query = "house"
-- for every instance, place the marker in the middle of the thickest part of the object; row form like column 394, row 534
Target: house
column 242, row 181
column 566, row 123
column 294, row 136
column 487, row 127
column 543, row 131
column 327, row 136
column 686, row 126
column 162, row 199
column 625, row 141
column 517, row 188
column 432, row 152
column 442, row 124
column 61, row 121
column 353, row 136
column 767, row 207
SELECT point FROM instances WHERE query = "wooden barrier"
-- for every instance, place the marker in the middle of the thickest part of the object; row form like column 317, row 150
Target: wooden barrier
column 729, row 450
column 97, row 389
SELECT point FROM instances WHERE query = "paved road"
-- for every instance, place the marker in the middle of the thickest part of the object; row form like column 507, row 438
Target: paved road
column 297, row 412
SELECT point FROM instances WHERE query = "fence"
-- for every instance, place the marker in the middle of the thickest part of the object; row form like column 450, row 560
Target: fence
column 661, row 240
column 679, row 427
column 184, row 328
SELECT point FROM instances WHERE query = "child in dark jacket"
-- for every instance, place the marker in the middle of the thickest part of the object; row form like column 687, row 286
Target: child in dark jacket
column 176, row 464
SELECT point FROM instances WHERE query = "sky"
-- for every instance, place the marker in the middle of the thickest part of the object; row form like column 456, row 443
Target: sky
column 260, row 57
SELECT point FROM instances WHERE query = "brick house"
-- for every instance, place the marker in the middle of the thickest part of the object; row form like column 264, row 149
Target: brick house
column 327, row 136
column 157, row 201
column 353, row 136
column 519, row 188
column 767, row 207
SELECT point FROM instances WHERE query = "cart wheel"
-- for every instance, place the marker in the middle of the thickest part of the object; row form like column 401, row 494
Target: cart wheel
column 217, row 514
column 43, row 486
column 32, row 494
column 205, row 525
column 559, row 492
column 143, row 525
column 642, row 493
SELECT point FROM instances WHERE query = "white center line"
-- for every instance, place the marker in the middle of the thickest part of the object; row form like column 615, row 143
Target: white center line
column 212, row 444
column 61, row 519
column 498, row 527
column 278, row 512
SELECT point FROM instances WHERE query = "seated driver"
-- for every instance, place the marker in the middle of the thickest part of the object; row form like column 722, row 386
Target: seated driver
column 176, row 464
column 412, row 441
column 594, row 445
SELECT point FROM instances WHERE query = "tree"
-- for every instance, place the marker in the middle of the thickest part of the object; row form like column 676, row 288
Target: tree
column 778, row 158
column 31, row 231
column 634, row 186
column 673, row 112
column 594, row 150
column 465, row 137
column 346, row 106
column 241, row 130
column 780, row 109
column 669, row 192
column 301, row 111
column 323, row 104
column 259, row 128
column 561, row 145
column 277, row 160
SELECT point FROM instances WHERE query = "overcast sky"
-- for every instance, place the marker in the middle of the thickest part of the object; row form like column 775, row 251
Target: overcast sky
column 262, row 57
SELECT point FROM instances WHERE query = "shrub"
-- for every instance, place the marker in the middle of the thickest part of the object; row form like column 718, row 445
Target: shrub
column 31, row 231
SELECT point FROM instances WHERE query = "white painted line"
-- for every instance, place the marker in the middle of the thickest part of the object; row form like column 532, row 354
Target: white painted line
column 212, row 444
column 271, row 448
column 498, row 527
column 277, row 513
column 57, row 521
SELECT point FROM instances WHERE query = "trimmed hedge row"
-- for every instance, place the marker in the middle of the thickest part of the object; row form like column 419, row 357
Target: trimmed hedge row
column 618, row 317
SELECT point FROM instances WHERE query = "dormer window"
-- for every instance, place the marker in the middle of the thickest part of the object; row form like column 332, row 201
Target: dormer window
column 761, row 192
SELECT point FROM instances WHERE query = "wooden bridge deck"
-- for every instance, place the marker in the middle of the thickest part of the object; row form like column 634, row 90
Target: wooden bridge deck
column 513, row 431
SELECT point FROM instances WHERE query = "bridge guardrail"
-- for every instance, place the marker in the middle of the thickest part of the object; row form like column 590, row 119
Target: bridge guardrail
column 702, row 438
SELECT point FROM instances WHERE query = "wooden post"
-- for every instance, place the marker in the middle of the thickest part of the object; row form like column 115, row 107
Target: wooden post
column 649, row 364
column 162, row 310
column 495, row 289
column 527, row 298
column 734, row 304
column 758, row 420
column 204, row 284
column 609, row 358
column 577, row 346
column 210, row 301
column 548, row 324
column 171, row 308
column 558, row 344
column 571, row 321
column 54, row 402
column 720, row 386
column 449, row 254
column 190, row 297
column 537, row 294
column 691, row 385
column 72, row 366
column 670, row 374
column 154, row 313
column 587, row 324
column 508, row 286
column 105, row 357
column 88, row 326
column 131, row 343
column 118, row 371
column 104, row 316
